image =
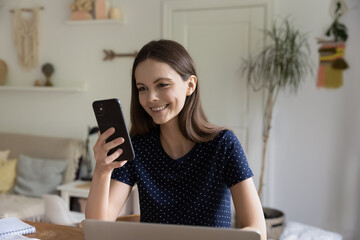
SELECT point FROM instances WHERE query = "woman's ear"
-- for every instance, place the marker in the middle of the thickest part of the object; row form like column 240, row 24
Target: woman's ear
column 191, row 82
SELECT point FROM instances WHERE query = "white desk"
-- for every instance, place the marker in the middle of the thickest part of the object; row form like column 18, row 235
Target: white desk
column 80, row 189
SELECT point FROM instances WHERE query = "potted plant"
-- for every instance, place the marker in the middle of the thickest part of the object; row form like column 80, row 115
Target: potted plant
column 281, row 65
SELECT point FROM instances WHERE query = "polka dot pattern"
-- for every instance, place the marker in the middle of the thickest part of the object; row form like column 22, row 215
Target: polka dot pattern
column 192, row 190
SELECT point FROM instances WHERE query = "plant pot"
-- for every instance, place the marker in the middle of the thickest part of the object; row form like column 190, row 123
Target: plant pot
column 275, row 223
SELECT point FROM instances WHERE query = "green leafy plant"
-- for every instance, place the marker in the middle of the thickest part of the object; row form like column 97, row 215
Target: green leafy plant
column 337, row 29
column 280, row 65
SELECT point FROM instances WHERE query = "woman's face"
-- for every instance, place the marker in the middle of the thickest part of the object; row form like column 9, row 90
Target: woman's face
column 162, row 91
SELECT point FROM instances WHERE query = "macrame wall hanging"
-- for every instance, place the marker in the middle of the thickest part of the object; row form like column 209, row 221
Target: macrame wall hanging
column 26, row 36
column 332, row 52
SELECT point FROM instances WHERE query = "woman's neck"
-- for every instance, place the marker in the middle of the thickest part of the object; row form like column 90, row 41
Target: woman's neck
column 173, row 141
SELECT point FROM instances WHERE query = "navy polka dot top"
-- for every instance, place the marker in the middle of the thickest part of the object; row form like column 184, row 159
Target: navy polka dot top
column 192, row 190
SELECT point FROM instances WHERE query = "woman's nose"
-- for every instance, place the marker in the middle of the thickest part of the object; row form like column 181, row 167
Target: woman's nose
column 153, row 96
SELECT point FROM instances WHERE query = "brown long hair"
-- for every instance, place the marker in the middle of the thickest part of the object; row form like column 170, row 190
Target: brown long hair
column 192, row 120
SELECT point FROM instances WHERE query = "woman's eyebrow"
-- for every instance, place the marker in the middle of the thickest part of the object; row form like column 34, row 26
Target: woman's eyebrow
column 157, row 80
column 162, row 78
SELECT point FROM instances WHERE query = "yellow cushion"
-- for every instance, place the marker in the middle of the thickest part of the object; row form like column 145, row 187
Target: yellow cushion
column 7, row 174
column 4, row 154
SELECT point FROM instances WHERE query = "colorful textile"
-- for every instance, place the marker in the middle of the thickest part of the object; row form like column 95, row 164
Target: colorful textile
column 332, row 63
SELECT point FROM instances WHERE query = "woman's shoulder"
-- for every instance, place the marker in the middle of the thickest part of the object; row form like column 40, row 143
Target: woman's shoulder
column 225, row 135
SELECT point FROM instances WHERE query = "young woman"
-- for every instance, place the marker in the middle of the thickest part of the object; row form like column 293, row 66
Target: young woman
column 186, row 169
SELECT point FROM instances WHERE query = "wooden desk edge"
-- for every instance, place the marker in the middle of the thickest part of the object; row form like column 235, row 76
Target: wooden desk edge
column 47, row 231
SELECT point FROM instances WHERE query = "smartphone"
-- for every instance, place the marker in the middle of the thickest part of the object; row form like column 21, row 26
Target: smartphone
column 108, row 114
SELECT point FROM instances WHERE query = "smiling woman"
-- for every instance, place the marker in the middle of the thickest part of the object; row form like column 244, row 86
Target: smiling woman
column 173, row 62
column 187, row 169
column 162, row 92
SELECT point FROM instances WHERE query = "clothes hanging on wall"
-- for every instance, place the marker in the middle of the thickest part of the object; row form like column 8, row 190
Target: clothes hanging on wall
column 26, row 36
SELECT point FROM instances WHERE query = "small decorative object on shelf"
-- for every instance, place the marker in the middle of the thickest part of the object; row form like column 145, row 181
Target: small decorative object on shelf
column 3, row 71
column 110, row 55
column 101, row 9
column 48, row 70
column 81, row 10
column 95, row 11
column 38, row 83
column 115, row 13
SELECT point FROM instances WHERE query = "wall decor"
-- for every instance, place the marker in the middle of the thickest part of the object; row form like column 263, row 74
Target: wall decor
column 81, row 10
column 332, row 52
column 26, row 36
column 26, row 9
column 110, row 55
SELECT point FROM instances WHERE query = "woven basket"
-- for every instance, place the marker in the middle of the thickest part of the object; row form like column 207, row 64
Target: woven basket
column 275, row 223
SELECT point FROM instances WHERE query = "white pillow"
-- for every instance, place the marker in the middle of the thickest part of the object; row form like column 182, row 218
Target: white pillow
column 36, row 176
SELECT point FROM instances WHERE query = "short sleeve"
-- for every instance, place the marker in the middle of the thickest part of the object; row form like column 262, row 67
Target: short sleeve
column 125, row 174
column 236, row 167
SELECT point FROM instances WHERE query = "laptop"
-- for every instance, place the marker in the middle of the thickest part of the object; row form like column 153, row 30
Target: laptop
column 103, row 230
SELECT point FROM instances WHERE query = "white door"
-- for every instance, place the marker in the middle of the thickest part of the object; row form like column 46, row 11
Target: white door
column 219, row 34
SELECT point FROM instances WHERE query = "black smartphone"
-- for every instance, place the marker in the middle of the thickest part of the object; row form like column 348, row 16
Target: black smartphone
column 108, row 114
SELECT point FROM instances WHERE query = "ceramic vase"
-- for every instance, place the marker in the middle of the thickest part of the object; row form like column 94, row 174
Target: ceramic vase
column 101, row 9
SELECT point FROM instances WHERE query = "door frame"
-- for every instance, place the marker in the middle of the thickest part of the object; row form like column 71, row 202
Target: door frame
column 169, row 7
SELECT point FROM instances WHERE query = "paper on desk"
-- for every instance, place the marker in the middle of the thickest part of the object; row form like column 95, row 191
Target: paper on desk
column 17, row 237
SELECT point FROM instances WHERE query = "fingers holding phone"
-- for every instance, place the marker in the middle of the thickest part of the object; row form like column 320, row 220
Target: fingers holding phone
column 114, row 143
column 104, row 161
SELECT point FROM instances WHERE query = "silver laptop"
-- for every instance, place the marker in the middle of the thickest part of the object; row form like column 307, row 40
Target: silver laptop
column 102, row 230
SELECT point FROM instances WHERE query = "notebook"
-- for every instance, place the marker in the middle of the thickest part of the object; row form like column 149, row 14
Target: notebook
column 12, row 226
column 95, row 229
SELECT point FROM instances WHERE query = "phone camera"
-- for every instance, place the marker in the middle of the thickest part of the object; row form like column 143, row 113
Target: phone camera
column 100, row 109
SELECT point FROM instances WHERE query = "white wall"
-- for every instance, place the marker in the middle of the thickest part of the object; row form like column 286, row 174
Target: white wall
column 314, row 153
column 315, row 157
column 76, row 53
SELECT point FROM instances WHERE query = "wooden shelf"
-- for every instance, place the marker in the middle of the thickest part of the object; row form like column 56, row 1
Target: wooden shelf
column 64, row 89
column 95, row 22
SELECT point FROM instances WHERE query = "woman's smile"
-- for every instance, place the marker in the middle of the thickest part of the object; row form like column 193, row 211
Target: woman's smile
column 158, row 109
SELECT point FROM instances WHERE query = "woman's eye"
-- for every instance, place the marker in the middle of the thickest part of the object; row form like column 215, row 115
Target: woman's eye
column 140, row 89
column 163, row 85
